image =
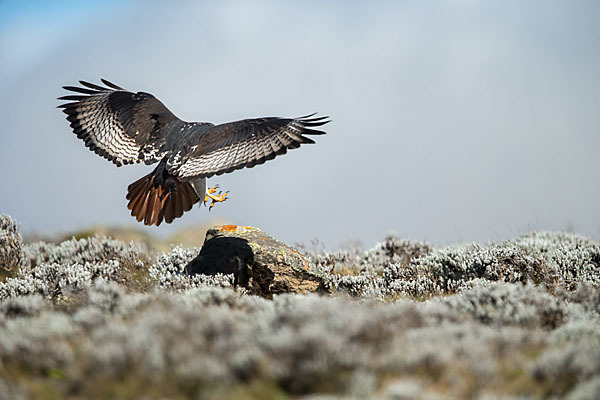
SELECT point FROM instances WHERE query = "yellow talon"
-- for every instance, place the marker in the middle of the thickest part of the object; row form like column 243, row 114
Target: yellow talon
column 216, row 198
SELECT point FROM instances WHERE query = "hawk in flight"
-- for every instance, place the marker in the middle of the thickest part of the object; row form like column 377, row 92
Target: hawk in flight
column 127, row 128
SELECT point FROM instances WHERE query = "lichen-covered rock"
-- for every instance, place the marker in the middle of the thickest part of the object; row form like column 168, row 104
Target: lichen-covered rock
column 258, row 262
column 11, row 247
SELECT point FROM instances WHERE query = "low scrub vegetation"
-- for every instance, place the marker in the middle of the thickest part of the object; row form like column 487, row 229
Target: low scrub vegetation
column 98, row 318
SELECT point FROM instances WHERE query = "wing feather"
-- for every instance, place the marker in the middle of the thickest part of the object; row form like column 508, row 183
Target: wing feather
column 244, row 144
column 121, row 126
column 92, row 85
column 110, row 84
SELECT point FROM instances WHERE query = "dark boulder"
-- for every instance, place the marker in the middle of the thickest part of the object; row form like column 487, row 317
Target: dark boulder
column 260, row 263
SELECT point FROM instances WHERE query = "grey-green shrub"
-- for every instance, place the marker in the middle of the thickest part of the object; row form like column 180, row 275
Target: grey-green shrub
column 11, row 245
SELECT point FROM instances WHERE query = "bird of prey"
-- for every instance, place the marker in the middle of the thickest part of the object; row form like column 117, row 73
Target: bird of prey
column 126, row 128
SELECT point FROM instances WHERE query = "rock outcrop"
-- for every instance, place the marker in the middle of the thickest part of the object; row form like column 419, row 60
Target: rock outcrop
column 260, row 263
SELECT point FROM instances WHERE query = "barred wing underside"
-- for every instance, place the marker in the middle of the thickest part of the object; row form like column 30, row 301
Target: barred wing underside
column 243, row 144
column 121, row 126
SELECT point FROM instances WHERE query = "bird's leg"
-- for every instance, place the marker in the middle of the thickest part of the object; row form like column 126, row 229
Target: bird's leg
column 216, row 198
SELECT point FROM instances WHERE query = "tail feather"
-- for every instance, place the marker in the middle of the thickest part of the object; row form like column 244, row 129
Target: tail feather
column 170, row 212
column 187, row 196
column 141, row 207
column 136, row 187
column 137, row 195
column 157, row 197
column 148, row 220
column 138, row 206
column 177, row 206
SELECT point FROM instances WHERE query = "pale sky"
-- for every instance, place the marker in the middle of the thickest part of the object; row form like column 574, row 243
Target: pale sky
column 452, row 121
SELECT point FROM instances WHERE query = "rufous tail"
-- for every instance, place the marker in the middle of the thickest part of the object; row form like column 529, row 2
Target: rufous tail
column 159, row 196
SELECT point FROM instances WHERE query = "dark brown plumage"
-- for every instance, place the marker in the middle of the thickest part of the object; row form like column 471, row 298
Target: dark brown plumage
column 127, row 128
column 151, row 201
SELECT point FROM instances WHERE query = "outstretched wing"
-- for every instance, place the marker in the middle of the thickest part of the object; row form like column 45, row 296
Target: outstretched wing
column 235, row 145
column 121, row 126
